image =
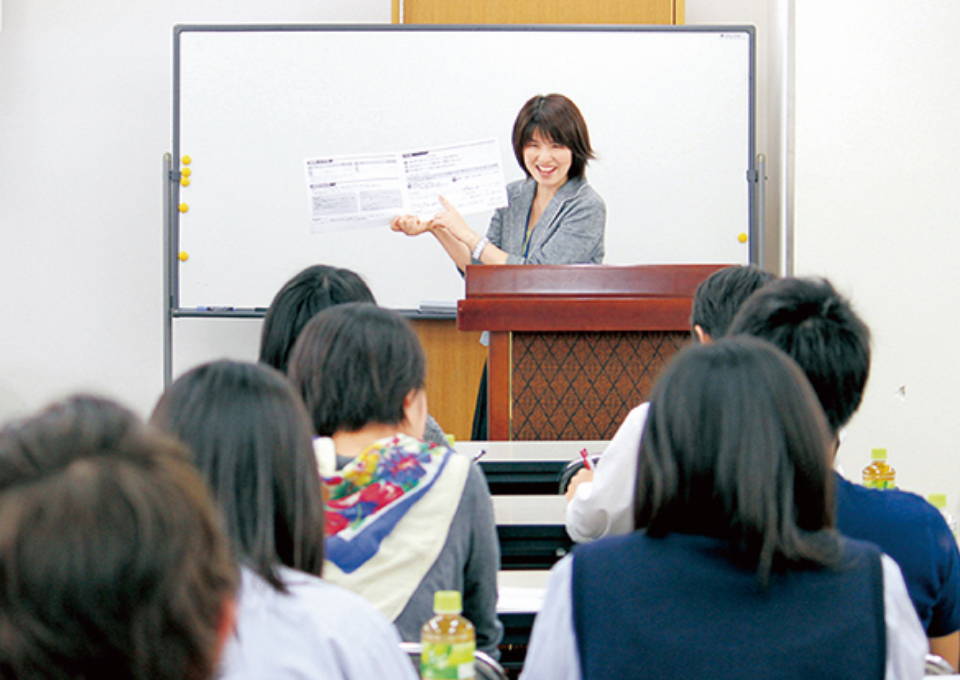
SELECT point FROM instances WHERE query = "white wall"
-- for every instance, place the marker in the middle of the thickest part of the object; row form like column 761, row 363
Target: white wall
column 767, row 17
column 84, row 121
column 858, row 104
column 85, row 118
column 877, row 180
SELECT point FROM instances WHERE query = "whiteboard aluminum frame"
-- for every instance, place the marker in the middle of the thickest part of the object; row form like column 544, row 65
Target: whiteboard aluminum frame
column 172, row 262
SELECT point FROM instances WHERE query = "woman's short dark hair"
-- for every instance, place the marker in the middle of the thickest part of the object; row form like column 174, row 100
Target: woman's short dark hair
column 355, row 364
column 113, row 562
column 559, row 120
column 251, row 438
column 719, row 297
column 736, row 447
column 301, row 298
column 817, row 327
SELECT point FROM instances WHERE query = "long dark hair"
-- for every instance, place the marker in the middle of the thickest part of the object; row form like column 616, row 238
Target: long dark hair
column 736, row 447
column 251, row 437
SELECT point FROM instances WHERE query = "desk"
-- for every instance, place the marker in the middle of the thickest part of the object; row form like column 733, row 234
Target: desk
column 527, row 468
column 518, row 451
column 520, row 598
column 530, row 512
column 524, row 480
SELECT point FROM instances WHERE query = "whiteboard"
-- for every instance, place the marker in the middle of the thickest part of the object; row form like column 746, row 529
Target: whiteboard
column 670, row 112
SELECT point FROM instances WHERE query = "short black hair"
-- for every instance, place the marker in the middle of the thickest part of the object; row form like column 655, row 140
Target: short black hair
column 355, row 364
column 251, row 437
column 719, row 297
column 559, row 120
column 299, row 300
column 736, row 447
column 113, row 562
column 816, row 326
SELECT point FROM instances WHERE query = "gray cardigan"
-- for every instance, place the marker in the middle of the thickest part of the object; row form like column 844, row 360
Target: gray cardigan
column 570, row 231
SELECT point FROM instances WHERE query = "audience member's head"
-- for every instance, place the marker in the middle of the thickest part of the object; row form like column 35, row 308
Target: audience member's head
column 357, row 364
column 735, row 447
column 719, row 297
column 251, row 438
column 113, row 563
column 816, row 326
column 301, row 298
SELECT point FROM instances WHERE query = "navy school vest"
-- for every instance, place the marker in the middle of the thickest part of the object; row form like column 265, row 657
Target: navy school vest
column 676, row 607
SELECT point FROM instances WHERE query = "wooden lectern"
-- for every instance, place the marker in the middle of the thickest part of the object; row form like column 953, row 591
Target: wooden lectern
column 574, row 347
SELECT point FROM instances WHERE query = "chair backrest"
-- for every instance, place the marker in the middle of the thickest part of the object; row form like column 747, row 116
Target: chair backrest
column 935, row 665
column 487, row 667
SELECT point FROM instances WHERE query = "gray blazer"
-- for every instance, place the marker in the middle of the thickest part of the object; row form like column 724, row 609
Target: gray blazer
column 570, row 231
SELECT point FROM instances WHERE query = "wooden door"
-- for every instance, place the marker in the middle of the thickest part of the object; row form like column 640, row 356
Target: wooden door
column 539, row 11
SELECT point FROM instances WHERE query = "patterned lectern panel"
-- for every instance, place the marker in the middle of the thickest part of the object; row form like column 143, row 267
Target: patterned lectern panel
column 582, row 385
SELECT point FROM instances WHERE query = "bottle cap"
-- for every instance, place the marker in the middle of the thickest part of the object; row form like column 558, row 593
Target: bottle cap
column 447, row 602
column 878, row 454
column 938, row 500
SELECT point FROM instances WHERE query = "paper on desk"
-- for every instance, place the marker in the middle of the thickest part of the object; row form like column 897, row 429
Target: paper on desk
column 368, row 190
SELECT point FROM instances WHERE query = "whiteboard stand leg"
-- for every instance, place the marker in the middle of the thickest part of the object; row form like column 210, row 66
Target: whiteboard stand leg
column 167, row 273
column 761, row 235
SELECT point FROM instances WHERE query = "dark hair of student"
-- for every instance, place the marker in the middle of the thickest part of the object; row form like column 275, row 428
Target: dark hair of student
column 720, row 296
column 251, row 438
column 816, row 326
column 354, row 364
column 560, row 121
column 113, row 562
column 735, row 447
column 311, row 291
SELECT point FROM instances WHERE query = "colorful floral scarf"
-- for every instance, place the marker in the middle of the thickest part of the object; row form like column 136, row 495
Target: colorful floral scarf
column 371, row 494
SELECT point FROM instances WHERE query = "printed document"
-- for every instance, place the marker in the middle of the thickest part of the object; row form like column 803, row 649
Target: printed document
column 369, row 190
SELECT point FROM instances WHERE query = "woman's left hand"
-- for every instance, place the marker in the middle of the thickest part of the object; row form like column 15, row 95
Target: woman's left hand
column 409, row 225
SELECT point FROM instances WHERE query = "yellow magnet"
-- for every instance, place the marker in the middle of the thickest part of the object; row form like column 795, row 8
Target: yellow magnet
column 184, row 207
column 183, row 256
column 186, row 160
column 184, row 181
column 186, row 172
column 742, row 238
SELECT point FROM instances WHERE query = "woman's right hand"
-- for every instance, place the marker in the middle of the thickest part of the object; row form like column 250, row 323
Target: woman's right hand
column 409, row 225
column 583, row 475
column 450, row 219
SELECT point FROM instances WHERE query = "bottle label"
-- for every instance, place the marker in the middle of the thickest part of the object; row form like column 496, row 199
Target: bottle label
column 441, row 661
column 879, row 484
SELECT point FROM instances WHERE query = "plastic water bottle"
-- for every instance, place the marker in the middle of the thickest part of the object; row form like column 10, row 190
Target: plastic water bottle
column 879, row 475
column 939, row 501
column 447, row 641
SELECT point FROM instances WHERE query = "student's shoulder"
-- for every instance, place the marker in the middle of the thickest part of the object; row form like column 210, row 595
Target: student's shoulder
column 638, row 415
column 897, row 500
column 326, row 602
column 891, row 506
column 606, row 545
column 476, row 487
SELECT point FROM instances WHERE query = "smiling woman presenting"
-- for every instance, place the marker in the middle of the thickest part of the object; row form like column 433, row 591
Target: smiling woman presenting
column 552, row 216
